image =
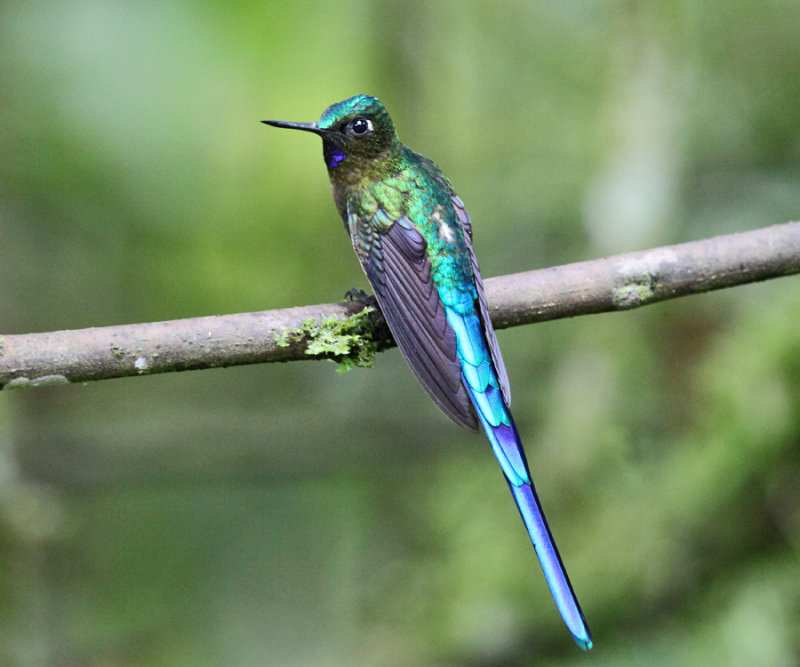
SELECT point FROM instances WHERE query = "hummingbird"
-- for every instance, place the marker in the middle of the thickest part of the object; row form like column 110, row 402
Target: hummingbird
column 413, row 238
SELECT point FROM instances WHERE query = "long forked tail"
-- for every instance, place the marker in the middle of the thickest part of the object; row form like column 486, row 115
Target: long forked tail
column 478, row 373
column 508, row 449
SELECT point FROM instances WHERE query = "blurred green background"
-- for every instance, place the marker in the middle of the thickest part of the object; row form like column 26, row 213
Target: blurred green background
column 289, row 515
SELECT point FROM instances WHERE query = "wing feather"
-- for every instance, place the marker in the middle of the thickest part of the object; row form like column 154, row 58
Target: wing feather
column 400, row 272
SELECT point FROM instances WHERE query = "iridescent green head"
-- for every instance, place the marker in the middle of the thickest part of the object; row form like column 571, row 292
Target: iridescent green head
column 355, row 130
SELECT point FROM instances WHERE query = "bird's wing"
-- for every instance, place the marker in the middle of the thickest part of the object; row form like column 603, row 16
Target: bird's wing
column 483, row 308
column 393, row 256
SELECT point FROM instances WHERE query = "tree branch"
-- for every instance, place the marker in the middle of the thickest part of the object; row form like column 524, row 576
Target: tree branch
column 351, row 334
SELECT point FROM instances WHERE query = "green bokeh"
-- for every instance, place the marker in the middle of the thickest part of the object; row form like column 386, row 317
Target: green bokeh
column 288, row 515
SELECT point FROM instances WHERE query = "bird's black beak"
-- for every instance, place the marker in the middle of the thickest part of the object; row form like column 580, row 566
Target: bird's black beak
column 307, row 127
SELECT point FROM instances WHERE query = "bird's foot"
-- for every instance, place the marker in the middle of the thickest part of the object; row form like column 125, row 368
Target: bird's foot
column 360, row 296
column 380, row 330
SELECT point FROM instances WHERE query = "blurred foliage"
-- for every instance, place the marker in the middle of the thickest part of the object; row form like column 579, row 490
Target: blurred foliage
column 287, row 515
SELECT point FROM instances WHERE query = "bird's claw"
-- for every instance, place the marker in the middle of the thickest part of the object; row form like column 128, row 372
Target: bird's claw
column 381, row 328
column 360, row 296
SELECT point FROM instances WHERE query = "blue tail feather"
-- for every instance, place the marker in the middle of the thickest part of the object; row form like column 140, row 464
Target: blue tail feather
column 478, row 376
column 489, row 405
column 469, row 336
column 505, row 443
column 550, row 560
column 481, row 383
column 508, row 450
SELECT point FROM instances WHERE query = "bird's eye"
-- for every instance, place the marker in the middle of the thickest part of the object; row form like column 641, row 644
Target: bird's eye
column 361, row 126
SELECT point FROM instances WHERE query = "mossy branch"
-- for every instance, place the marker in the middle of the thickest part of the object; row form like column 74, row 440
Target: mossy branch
column 351, row 333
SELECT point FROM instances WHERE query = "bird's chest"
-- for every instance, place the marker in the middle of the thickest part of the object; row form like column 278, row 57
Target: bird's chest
column 407, row 196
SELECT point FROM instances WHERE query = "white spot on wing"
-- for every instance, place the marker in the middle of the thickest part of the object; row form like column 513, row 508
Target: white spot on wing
column 445, row 231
